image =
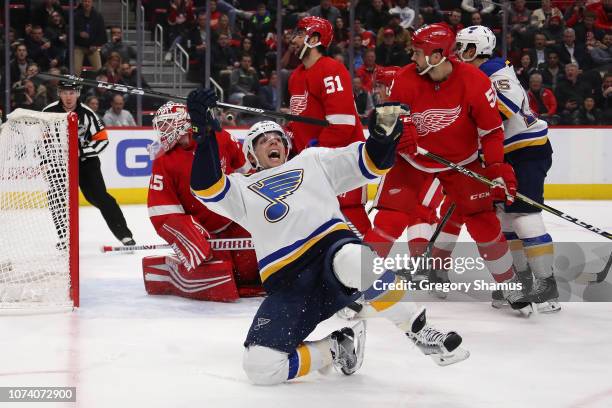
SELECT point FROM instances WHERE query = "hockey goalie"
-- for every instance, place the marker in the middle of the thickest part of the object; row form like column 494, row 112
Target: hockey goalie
column 194, row 270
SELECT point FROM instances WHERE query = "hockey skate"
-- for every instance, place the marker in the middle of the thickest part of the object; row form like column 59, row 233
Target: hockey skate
column 347, row 348
column 525, row 277
column 545, row 295
column 443, row 348
column 518, row 300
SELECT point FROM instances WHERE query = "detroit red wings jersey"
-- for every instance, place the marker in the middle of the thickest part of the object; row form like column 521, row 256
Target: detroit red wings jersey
column 450, row 116
column 323, row 91
column 169, row 190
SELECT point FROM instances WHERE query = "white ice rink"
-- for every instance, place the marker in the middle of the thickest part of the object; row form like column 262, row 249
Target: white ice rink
column 123, row 348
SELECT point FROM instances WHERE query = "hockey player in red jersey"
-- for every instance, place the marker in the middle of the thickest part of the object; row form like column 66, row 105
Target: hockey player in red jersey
column 195, row 271
column 454, row 111
column 321, row 87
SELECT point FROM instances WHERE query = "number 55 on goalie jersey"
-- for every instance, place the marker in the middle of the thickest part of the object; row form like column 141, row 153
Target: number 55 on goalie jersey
column 522, row 128
column 291, row 210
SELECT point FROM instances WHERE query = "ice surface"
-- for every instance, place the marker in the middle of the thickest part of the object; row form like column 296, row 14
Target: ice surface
column 123, row 348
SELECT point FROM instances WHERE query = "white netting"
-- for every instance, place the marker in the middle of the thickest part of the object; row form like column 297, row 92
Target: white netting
column 34, row 211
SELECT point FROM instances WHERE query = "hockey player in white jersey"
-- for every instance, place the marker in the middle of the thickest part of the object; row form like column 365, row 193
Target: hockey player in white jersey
column 528, row 150
column 310, row 261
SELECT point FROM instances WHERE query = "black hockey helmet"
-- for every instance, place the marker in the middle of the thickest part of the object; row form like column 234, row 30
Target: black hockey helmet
column 69, row 84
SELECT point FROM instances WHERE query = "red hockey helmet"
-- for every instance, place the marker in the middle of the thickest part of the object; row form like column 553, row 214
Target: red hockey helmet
column 385, row 75
column 315, row 25
column 434, row 38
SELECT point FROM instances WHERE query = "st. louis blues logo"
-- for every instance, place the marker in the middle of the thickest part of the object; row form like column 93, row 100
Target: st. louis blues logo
column 275, row 189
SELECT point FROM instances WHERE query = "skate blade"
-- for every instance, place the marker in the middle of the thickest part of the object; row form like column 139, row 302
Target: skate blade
column 499, row 304
column 438, row 294
column 456, row 356
column 528, row 310
column 550, row 306
column 360, row 338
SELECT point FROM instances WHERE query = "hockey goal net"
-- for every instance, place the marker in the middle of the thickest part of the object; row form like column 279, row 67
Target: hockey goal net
column 39, row 211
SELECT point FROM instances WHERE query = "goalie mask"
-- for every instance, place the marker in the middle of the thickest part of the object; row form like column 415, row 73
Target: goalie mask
column 479, row 36
column 171, row 122
column 265, row 128
column 309, row 26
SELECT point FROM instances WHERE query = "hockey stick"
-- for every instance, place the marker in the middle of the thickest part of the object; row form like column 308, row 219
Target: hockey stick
column 520, row 196
column 230, row 244
column 154, row 94
column 588, row 277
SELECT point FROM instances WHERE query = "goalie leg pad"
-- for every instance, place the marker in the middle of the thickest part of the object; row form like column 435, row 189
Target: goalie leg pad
column 265, row 366
column 212, row 281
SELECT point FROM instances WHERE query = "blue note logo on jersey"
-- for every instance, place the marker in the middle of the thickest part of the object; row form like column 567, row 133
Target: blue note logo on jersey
column 275, row 189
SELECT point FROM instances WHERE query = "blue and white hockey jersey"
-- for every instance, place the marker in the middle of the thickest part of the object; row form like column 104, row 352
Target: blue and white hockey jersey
column 290, row 208
column 522, row 128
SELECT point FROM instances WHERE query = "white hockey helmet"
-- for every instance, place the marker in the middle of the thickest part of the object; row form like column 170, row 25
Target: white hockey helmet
column 171, row 122
column 258, row 129
column 482, row 37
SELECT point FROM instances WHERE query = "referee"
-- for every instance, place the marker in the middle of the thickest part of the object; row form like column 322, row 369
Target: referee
column 92, row 140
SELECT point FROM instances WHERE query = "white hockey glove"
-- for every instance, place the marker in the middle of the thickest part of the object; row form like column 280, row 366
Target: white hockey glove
column 384, row 122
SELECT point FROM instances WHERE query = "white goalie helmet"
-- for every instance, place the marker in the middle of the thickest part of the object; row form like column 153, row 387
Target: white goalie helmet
column 258, row 129
column 482, row 37
column 171, row 122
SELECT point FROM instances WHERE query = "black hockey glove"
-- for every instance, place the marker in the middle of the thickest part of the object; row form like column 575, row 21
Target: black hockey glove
column 384, row 122
column 199, row 105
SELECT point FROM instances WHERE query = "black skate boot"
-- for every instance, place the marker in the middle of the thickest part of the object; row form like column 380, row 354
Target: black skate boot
column 525, row 277
column 545, row 295
column 517, row 299
column 442, row 347
column 347, row 348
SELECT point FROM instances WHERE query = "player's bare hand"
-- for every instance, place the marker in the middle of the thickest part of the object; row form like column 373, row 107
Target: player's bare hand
column 503, row 175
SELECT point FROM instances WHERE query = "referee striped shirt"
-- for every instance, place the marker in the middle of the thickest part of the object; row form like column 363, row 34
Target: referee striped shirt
column 92, row 135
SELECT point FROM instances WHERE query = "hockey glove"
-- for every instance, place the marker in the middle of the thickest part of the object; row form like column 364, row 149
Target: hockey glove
column 407, row 145
column 188, row 239
column 199, row 105
column 384, row 122
column 503, row 174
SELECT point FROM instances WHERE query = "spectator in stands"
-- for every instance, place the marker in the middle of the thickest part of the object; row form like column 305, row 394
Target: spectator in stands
column 542, row 100
column 90, row 35
column 116, row 44
column 215, row 13
column 42, row 14
column 377, row 16
column 246, row 48
column 363, row 100
column 57, row 33
column 389, row 52
column 243, row 81
column 368, row 39
column 524, row 70
column 554, row 31
column 563, row 5
column 570, row 51
column 31, row 73
column 588, row 114
column 358, row 51
column 40, row 50
column 538, row 52
column 571, row 92
column 545, row 12
column 223, row 27
column 326, row 10
column 485, row 8
column 476, row 19
column 232, row 12
column 429, row 9
column 51, row 85
column 453, row 21
column 519, row 15
column 20, row 63
column 260, row 25
column 402, row 36
column 29, row 96
column 575, row 13
column 268, row 94
column 222, row 57
column 601, row 53
column 112, row 67
column 367, row 72
column 552, row 72
column 586, row 32
column 603, row 12
column 514, row 51
column 341, row 34
column 104, row 95
column 116, row 115
column 127, row 76
column 93, row 103
column 181, row 19
column 603, row 97
column 196, row 43
column 406, row 14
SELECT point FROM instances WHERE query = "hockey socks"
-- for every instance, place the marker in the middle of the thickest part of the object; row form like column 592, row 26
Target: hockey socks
column 310, row 356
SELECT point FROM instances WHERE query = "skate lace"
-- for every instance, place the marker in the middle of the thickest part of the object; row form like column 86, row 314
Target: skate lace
column 540, row 286
column 430, row 336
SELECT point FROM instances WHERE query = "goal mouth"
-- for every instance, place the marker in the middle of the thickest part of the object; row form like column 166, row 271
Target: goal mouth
column 39, row 212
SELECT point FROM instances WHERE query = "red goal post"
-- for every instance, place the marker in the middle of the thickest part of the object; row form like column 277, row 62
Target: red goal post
column 39, row 242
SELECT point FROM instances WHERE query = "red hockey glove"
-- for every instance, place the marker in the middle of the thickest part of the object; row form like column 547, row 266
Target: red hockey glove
column 188, row 239
column 503, row 174
column 408, row 142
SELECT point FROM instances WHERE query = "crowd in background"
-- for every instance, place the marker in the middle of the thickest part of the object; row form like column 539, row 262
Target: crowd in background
column 560, row 50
